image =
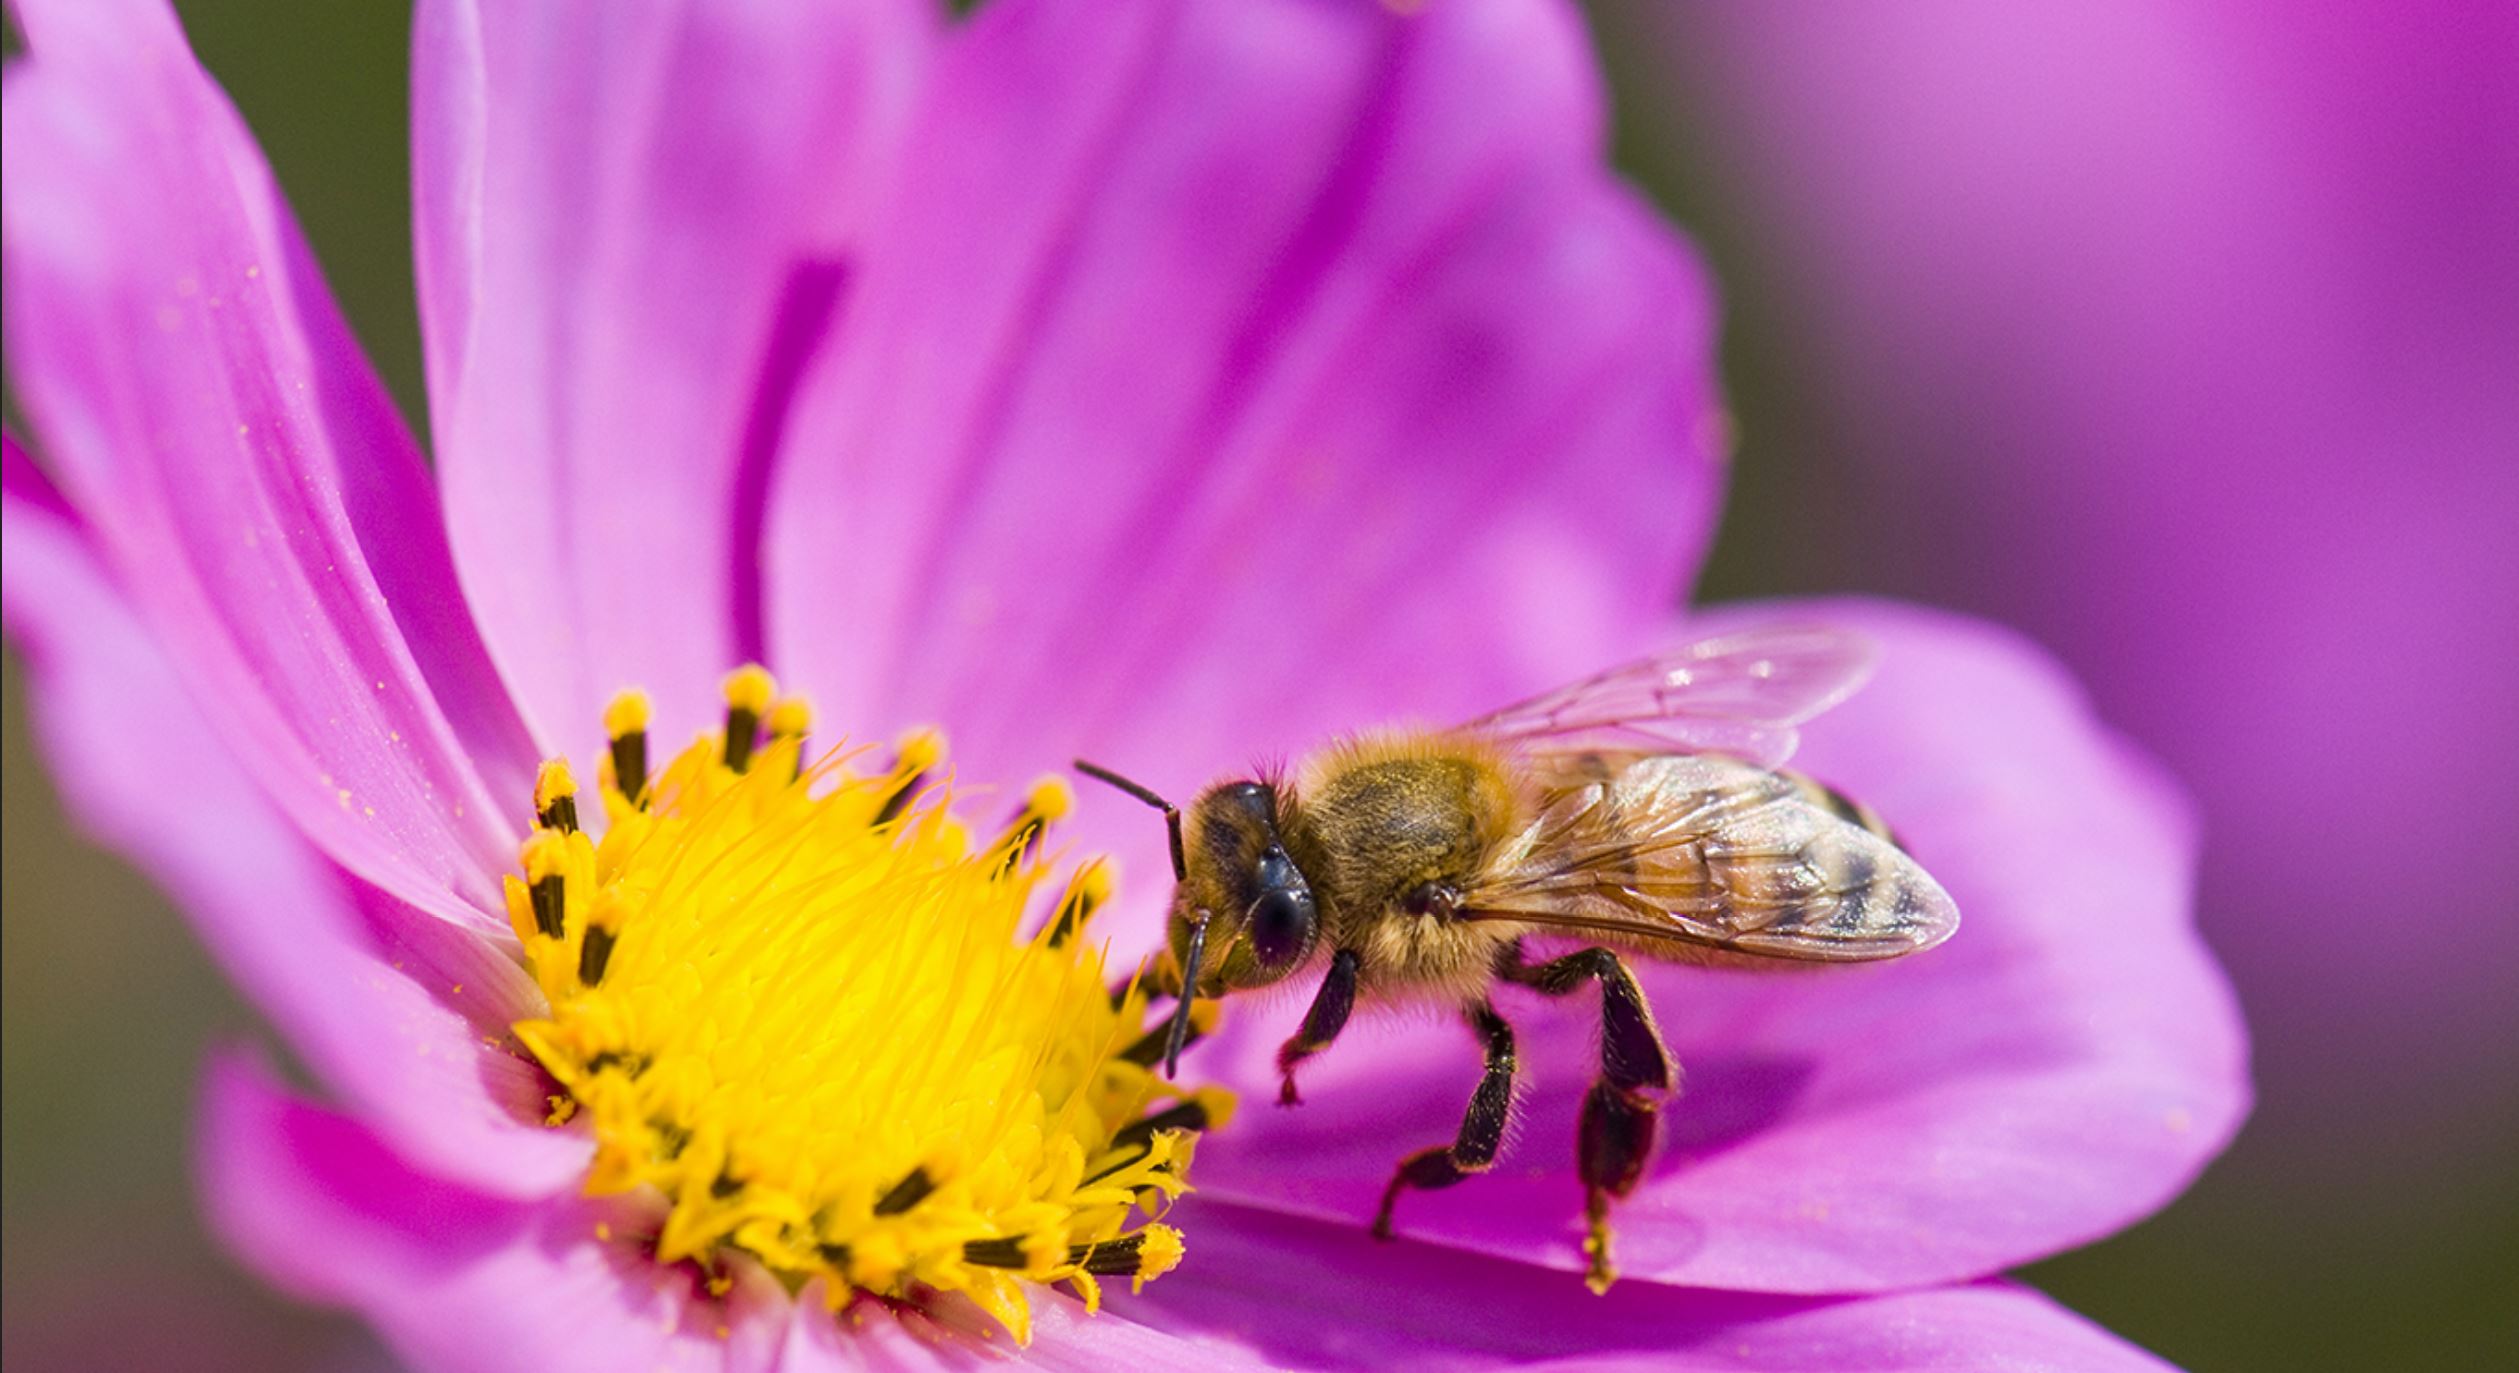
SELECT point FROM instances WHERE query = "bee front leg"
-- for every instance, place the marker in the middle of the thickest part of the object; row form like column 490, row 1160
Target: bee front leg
column 1482, row 1127
column 1622, row 1113
column 1321, row 1024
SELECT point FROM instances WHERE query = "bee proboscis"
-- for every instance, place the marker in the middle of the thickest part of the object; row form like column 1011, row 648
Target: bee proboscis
column 1645, row 809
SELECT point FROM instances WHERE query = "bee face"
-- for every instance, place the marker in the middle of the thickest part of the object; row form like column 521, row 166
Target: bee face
column 1254, row 904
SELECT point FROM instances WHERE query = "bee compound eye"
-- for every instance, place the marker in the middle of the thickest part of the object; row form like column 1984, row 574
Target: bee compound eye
column 1281, row 926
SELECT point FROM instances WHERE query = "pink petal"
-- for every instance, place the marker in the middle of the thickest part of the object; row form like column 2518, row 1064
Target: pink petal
column 27, row 485
column 388, row 1006
column 952, row 1333
column 2061, row 1068
column 629, row 221
column 1225, row 371
column 1304, row 1294
column 452, row 1279
column 457, row 1281
column 249, row 482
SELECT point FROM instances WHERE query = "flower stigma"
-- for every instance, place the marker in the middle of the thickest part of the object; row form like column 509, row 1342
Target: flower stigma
column 796, row 1000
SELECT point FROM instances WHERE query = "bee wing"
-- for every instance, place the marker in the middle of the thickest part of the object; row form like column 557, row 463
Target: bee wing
column 1740, row 694
column 1720, row 855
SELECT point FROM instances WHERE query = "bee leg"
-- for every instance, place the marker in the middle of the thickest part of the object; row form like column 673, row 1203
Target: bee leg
column 1482, row 1127
column 1321, row 1024
column 1622, row 1113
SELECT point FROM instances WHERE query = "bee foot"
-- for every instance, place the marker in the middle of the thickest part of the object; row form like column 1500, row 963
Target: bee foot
column 1382, row 1218
column 1286, row 1094
column 1598, row 1272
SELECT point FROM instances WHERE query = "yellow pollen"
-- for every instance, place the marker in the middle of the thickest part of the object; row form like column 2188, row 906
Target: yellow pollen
column 1051, row 799
column 1087, row 889
column 545, row 854
column 1160, row 1255
column 750, row 689
column 800, row 1006
column 555, row 795
column 791, row 717
column 624, row 770
column 919, row 750
column 553, row 782
column 628, row 713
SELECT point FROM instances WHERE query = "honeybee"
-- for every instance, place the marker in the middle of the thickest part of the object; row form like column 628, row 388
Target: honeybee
column 1644, row 808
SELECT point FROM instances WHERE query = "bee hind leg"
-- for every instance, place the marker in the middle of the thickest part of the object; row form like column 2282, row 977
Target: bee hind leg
column 1622, row 1113
column 1473, row 1151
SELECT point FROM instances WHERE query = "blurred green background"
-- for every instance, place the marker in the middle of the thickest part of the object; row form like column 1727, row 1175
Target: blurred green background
column 2289, row 1255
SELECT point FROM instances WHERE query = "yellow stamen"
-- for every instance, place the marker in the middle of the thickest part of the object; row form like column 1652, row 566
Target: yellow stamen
column 791, row 717
column 628, row 713
column 1087, row 890
column 1049, row 800
column 748, row 693
column 750, row 688
column 625, row 763
column 919, row 750
column 555, row 795
column 1160, row 1254
column 800, row 1007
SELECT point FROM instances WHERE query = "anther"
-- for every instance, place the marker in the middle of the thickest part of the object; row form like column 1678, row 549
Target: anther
column 671, row 1137
column 790, row 719
column 749, row 690
column 1022, row 1253
column 1048, row 802
column 1147, row 1253
column 546, row 852
column 998, row 1253
column 603, row 928
column 555, row 796
column 918, row 751
column 625, row 723
column 1206, row 1109
column 1147, row 1051
column 908, row 1192
column 1086, row 891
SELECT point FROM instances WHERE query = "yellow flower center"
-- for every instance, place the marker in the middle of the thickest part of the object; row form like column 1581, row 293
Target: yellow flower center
column 799, row 1003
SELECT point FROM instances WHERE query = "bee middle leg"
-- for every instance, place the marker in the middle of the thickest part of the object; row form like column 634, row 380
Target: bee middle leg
column 1321, row 1023
column 1622, row 1112
column 1482, row 1126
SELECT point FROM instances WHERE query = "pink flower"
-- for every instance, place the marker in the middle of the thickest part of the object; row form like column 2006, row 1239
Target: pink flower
column 1165, row 382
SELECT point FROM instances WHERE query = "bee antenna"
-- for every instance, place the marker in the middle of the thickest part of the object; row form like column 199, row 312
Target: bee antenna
column 1171, row 818
column 1189, row 993
column 1139, row 790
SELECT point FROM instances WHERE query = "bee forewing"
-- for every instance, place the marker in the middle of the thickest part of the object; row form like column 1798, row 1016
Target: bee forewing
column 1719, row 854
column 1740, row 694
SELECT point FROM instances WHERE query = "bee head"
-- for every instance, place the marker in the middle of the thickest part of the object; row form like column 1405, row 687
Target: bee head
column 1243, row 915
